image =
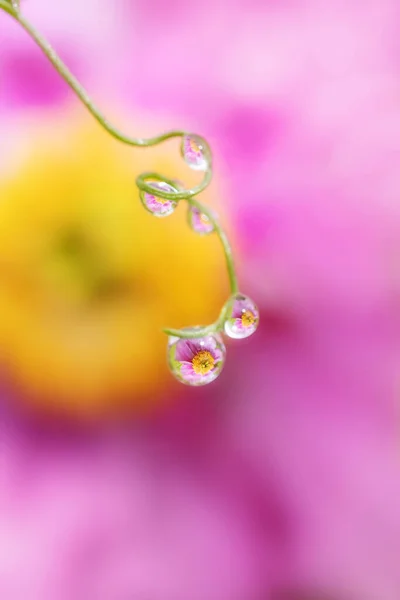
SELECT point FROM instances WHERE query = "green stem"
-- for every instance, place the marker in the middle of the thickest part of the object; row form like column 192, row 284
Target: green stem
column 191, row 334
column 143, row 181
column 8, row 7
column 198, row 332
column 74, row 84
column 227, row 248
column 224, row 241
column 218, row 325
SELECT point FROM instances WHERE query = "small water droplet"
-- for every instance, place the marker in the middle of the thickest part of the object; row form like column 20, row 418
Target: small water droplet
column 159, row 207
column 195, row 152
column 196, row 361
column 199, row 221
column 242, row 317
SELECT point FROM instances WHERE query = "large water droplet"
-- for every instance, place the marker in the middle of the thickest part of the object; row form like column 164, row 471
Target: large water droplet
column 159, row 207
column 196, row 361
column 195, row 152
column 199, row 221
column 242, row 317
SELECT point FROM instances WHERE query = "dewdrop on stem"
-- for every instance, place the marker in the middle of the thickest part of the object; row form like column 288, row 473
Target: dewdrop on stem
column 157, row 206
column 196, row 361
column 241, row 317
column 195, row 152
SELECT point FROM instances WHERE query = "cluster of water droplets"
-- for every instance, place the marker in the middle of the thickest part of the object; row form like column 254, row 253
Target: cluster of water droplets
column 199, row 359
column 197, row 156
column 196, row 357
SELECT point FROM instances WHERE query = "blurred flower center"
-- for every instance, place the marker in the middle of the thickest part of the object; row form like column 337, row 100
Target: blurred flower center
column 203, row 362
column 86, row 277
column 248, row 318
column 79, row 262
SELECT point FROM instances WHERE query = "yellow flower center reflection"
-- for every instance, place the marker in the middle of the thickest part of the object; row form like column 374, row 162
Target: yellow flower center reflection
column 161, row 200
column 203, row 362
column 248, row 319
column 194, row 146
column 88, row 278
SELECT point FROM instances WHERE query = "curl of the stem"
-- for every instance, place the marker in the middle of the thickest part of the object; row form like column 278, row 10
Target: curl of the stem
column 143, row 182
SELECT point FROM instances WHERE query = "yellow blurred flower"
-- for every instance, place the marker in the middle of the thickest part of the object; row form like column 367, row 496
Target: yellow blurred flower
column 88, row 278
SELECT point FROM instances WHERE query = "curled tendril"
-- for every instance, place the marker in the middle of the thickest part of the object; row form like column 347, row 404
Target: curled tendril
column 143, row 181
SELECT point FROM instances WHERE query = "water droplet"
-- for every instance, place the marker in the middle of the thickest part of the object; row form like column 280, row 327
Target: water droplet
column 242, row 317
column 196, row 361
column 195, row 152
column 199, row 222
column 159, row 207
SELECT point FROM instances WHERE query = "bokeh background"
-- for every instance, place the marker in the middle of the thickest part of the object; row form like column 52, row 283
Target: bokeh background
column 281, row 480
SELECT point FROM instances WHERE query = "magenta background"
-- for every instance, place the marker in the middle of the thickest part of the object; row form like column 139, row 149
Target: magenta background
column 282, row 480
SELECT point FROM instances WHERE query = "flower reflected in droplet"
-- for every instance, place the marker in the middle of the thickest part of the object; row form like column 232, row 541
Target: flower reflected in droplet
column 199, row 221
column 196, row 361
column 195, row 152
column 159, row 207
column 242, row 317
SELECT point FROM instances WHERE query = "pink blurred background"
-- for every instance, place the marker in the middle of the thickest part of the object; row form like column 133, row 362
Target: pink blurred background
column 281, row 480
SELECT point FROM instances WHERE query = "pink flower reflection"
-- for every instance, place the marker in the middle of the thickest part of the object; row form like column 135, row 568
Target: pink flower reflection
column 159, row 207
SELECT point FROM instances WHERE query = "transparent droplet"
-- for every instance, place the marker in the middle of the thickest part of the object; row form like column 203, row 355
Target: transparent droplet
column 199, row 222
column 196, row 361
column 195, row 152
column 159, row 207
column 242, row 317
